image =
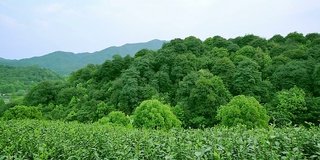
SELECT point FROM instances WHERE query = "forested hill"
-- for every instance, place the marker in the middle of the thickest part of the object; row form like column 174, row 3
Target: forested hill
column 14, row 79
column 244, row 78
column 66, row 62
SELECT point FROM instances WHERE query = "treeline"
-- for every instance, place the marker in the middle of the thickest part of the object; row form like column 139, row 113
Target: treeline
column 14, row 79
column 248, row 80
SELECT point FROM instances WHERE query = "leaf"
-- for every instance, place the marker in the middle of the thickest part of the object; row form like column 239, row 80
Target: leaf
column 198, row 154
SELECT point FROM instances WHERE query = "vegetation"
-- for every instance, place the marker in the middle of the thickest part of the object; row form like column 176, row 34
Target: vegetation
column 245, row 93
column 20, row 79
column 22, row 112
column 153, row 114
column 195, row 78
column 30, row 139
column 115, row 117
column 243, row 110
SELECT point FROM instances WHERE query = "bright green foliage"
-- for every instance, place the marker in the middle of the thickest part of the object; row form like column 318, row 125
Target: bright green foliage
column 115, row 117
column 290, row 105
column 154, row 115
column 22, row 112
column 29, row 139
column 247, row 51
column 103, row 109
column 243, row 110
column 217, row 41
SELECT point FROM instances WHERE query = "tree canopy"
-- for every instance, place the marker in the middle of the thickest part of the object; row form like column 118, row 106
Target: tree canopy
column 197, row 78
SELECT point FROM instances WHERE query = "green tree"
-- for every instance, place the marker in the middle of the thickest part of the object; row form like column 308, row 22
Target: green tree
column 103, row 110
column 182, row 65
column 216, row 41
column 316, row 80
column 295, row 37
column 243, row 110
column 277, row 39
column 289, row 105
column 83, row 75
column 247, row 51
column 45, row 92
column 246, row 78
column 290, row 74
column 224, row 68
column 200, row 94
column 154, row 115
column 194, row 45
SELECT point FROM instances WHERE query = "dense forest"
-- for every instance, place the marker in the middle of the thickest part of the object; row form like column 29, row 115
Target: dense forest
column 245, row 80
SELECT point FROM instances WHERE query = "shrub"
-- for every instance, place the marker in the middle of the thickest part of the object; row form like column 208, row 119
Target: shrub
column 22, row 112
column 154, row 115
column 243, row 110
column 115, row 117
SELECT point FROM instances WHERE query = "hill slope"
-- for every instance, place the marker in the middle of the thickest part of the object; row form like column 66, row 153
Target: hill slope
column 67, row 62
column 13, row 79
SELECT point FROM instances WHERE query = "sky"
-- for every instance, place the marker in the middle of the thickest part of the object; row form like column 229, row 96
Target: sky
column 38, row 27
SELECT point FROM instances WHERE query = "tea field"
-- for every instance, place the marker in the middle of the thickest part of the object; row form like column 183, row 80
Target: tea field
column 34, row 139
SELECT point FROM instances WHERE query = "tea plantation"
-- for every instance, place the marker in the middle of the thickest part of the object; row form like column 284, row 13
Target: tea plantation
column 38, row 139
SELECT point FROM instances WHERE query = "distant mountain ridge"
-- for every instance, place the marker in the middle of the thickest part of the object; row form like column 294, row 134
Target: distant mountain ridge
column 67, row 62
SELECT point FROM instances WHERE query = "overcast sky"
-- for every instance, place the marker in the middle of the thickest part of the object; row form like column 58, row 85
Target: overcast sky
column 38, row 27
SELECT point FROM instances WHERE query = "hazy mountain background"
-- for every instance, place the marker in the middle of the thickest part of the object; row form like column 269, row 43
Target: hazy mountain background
column 67, row 62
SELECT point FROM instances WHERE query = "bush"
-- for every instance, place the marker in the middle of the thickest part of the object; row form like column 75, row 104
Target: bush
column 22, row 112
column 115, row 117
column 154, row 115
column 243, row 110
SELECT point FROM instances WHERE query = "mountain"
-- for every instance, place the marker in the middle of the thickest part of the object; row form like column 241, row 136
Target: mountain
column 67, row 62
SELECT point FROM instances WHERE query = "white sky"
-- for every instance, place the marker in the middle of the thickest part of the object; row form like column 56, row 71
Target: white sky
column 38, row 27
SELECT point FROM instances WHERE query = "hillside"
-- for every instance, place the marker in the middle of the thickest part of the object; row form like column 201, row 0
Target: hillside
column 253, row 80
column 13, row 79
column 67, row 62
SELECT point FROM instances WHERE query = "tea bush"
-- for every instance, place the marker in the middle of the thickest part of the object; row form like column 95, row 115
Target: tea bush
column 34, row 139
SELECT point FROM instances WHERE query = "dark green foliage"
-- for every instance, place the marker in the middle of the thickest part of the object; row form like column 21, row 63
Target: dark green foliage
column 245, row 111
column 44, row 93
column 200, row 94
column 277, row 38
column 153, row 114
column 225, row 69
column 290, row 74
column 246, row 78
column 295, row 37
